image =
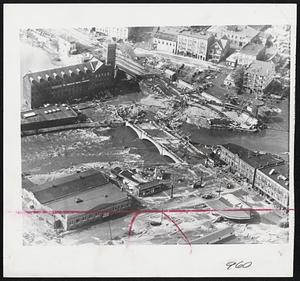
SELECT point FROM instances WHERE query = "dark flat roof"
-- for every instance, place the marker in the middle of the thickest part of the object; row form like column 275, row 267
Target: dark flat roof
column 69, row 185
column 42, row 116
column 95, row 198
column 166, row 36
column 27, row 184
column 252, row 49
column 256, row 160
column 129, row 175
column 278, row 170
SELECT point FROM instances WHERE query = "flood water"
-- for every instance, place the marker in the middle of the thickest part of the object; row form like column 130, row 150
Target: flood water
column 50, row 152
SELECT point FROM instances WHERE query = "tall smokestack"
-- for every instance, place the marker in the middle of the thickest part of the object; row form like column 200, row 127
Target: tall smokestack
column 110, row 55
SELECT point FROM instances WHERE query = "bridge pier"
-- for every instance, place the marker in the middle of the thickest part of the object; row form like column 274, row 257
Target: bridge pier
column 160, row 147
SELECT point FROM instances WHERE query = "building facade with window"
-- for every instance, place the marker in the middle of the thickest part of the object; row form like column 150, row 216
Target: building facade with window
column 117, row 32
column 194, row 45
column 257, row 76
column 64, row 84
column 238, row 35
column 165, row 42
column 218, row 50
column 250, row 53
column 266, row 172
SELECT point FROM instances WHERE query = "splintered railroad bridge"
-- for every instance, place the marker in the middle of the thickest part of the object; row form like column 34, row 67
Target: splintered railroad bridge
column 166, row 143
column 132, row 68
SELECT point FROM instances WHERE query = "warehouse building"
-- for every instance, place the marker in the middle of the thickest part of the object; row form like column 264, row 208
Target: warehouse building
column 46, row 117
column 79, row 199
column 65, row 84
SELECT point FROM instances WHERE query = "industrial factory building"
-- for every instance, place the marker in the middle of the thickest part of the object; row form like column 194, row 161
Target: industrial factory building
column 79, row 199
column 65, row 84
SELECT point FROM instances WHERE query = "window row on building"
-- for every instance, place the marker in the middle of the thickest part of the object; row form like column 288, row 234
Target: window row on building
column 262, row 176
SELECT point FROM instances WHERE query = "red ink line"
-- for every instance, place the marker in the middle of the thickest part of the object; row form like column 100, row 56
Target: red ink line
column 132, row 222
column 53, row 212
column 179, row 229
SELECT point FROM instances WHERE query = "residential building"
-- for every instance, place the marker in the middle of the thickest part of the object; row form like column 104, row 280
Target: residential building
column 165, row 42
column 266, row 172
column 194, row 45
column 238, row 35
column 229, row 81
column 116, row 32
column 281, row 38
column 232, row 60
column 64, row 84
column 218, row 50
column 78, row 199
column 250, row 53
column 257, row 76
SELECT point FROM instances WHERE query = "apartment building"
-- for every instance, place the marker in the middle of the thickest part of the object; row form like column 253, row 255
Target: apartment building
column 117, row 32
column 194, row 45
column 257, row 76
column 165, row 42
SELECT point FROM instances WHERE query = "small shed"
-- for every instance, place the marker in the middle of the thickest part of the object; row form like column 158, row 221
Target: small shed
column 170, row 74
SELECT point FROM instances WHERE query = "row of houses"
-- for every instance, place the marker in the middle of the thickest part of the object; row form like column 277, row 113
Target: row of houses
column 114, row 32
column 266, row 172
column 201, row 46
column 211, row 44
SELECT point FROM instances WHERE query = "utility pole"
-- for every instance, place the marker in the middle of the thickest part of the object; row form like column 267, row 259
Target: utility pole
column 219, row 190
column 172, row 188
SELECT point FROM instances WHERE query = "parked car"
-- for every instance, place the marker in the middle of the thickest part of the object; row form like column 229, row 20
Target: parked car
column 207, row 196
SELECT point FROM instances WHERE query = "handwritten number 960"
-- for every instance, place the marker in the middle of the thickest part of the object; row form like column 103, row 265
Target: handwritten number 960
column 241, row 264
